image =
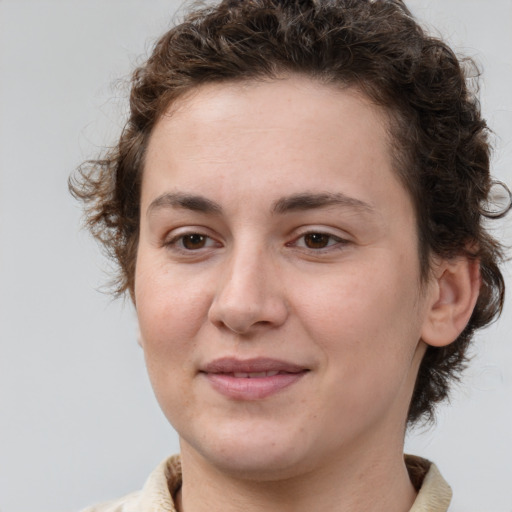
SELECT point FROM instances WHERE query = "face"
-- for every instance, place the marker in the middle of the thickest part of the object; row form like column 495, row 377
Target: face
column 277, row 282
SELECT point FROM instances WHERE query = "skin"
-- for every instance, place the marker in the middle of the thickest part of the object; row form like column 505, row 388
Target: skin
column 251, row 270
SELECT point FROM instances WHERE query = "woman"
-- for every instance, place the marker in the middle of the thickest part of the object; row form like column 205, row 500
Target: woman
column 296, row 206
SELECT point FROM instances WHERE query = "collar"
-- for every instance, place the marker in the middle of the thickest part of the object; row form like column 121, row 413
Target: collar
column 434, row 494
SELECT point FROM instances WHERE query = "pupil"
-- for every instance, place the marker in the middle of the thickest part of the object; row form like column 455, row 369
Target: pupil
column 193, row 241
column 316, row 240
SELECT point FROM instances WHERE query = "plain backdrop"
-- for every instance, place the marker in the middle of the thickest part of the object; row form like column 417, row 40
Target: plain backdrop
column 78, row 421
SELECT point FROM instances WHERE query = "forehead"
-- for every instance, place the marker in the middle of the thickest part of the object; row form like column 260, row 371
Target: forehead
column 297, row 102
column 268, row 139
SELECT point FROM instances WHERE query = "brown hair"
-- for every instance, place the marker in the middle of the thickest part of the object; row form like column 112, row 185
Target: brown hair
column 440, row 142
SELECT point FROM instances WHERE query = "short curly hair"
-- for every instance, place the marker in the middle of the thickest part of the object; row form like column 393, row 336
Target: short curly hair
column 440, row 141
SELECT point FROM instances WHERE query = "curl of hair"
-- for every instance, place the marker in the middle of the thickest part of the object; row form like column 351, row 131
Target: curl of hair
column 439, row 140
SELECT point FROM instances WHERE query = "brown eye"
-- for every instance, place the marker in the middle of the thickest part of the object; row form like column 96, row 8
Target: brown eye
column 317, row 240
column 193, row 241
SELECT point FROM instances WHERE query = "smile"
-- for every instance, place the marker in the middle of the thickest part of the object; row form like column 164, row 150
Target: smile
column 253, row 379
column 254, row 375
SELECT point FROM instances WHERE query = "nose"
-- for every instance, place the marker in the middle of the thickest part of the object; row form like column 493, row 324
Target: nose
column 249, row 295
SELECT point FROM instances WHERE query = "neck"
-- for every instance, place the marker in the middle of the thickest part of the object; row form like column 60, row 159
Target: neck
column 354, row 484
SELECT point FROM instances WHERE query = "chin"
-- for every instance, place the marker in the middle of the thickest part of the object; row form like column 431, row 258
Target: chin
column 251, row 455
column 254, row 465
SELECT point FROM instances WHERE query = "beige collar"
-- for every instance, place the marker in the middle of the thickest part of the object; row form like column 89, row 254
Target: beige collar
column 434, row 494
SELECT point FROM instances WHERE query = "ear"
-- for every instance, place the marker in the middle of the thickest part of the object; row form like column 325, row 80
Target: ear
column 453, row 293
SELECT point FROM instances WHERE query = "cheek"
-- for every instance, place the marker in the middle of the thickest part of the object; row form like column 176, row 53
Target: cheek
column 171, row 310
column 358, row 300
column 366, row 321
column 364, row 330
column 170, row 313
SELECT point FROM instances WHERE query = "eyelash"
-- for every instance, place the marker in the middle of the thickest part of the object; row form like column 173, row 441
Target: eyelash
column 333, row 242
column 177, row 242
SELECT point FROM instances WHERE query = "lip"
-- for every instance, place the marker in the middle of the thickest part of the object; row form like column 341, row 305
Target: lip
column 229, row 377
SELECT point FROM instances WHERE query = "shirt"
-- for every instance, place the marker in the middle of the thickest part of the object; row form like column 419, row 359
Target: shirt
column 434, row 494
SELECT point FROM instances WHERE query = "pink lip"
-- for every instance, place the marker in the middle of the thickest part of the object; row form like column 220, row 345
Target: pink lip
column 221, row 375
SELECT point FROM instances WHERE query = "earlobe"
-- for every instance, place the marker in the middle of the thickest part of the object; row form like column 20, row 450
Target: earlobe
column 453, row 297
column 140, row 342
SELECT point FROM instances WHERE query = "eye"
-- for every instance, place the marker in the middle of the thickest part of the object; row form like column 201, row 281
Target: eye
column 194, row 241
column 191, row 242
column 316, row 240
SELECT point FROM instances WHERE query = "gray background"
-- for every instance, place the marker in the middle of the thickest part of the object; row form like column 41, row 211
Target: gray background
column 78, row 422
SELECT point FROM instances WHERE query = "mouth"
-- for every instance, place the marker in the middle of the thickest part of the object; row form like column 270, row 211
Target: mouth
column 252, row 379
column 257, row 367
column 254, row 375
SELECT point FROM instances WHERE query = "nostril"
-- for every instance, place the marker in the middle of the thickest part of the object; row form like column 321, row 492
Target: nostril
column 241, row 321
column 247, row 300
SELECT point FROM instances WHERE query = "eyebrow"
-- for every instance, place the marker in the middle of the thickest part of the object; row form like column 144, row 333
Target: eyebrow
column 296, row 202
column 308, row 201
column 192, row 202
